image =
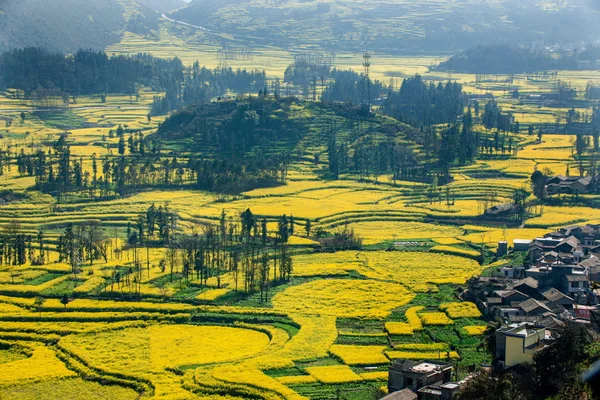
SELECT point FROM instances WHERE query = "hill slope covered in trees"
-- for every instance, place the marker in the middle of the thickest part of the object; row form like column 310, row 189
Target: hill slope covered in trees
column 502, row 59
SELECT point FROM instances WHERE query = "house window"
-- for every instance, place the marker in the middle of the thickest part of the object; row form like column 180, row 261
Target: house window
column 574, row 285
column 409, row 382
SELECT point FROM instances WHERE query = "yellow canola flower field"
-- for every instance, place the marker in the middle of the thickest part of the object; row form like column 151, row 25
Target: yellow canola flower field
column 379, row 231
column 559, row 216
column 343, row 298
column 491, row 237
column 145, row 350
column 212, row 294
column 375, row 376
column 417, row 268
column 42, row 365
column 475, row 330
column 464, row 309
column 399, row 328
column 359, row 355
column 455, row 251
column 435, row 318
column 406, row 328
column 417, row 355
column 413, row 317
column 333, row 374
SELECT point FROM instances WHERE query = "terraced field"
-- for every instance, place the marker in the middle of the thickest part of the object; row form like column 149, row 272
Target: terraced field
column 336, row 325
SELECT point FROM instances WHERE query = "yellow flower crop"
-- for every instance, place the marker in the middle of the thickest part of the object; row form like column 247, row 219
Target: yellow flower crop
column 375, row 376
column 399, row 328
column 359, row 355
column 212, row 294
column 333, row 374
column 343, row 298
column 42, row 365
column 455, row 251
column 461, row 310
column 413, row 318
column 422, row 355
column 435, row 318
column 475, row 330
column 145, row 350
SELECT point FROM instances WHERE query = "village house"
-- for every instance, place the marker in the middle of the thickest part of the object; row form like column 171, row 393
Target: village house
column 517, row 343
column 407, row 374
column 561, row 184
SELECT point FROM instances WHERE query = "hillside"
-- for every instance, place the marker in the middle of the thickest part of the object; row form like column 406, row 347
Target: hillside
column 63, row 25
column 399, row 26
column 251, row 143
column 501, row 59
column 69, row 25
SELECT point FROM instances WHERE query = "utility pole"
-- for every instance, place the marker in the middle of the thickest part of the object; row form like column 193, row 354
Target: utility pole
column 367, row 67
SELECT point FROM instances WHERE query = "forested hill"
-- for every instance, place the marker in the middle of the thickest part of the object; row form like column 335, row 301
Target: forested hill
column 235, row 145
column 502, row 59
column 63, row 25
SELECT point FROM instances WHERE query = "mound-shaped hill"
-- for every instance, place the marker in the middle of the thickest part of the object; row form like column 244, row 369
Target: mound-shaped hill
column 396, row 26
column 237, row 145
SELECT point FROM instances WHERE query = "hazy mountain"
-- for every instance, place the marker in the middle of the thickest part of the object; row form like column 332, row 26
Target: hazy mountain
column 64, row 25
column 398, row 26
column 163, row 6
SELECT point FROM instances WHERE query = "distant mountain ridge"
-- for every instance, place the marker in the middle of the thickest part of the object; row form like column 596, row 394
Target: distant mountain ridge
column 69, row 25
column 503, row 59
column 61, row 25
column 396, row 27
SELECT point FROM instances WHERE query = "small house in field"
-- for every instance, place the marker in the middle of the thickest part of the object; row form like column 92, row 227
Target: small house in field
column 561, row 184
column 500, row 210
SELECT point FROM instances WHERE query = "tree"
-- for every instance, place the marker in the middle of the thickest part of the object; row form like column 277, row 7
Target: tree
column 308, row 227
column 489, row 387
column 519, row 198
column 538, row 184
column 580, row 144
column 64, row 301
column 121, row 146
column 596, row 136
column 556, row 366
column 39, row 303
column 23, row 116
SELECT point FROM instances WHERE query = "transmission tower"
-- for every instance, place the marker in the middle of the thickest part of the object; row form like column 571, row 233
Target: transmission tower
column 367, row 66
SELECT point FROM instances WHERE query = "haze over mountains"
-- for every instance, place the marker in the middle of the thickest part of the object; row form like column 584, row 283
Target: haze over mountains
column 400, row 26
column 68, row 25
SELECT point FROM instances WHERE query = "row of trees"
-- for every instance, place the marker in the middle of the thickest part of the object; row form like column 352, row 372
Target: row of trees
column 420, row 104
column 198, row 85
column 39, row 72
column 243, row 248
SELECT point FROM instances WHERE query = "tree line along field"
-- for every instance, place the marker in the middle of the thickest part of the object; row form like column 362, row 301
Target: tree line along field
column 312, row 336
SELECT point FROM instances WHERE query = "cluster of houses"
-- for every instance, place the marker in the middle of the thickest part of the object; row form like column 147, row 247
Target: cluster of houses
column 561, row 184
column 555, row 284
